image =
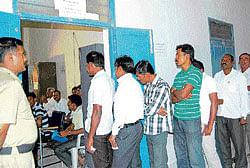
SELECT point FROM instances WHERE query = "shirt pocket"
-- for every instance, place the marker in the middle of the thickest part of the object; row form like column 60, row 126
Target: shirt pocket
column 232, row 87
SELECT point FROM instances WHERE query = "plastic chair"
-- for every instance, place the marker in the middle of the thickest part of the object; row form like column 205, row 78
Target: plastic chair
column 74, row 151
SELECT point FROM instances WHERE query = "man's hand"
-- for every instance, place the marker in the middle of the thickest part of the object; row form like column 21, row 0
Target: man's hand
column 162, row 112
column 220, row 101
column 112, row 141
column 207, row 130
column 90, row 143
column 39, row 122
column 242, row 121
column 2, row 139
column 3, row 132
column 64, row 133
column 188, row 97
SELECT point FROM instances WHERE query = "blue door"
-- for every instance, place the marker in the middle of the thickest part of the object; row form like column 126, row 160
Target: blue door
column 9, row 25
column 136, row 43
column 219, row 47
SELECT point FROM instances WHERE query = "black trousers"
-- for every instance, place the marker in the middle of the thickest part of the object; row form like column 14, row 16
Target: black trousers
column 103, row 155
column 229, row 129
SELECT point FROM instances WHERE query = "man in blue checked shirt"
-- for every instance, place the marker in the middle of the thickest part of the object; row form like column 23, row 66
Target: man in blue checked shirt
column 157, row 111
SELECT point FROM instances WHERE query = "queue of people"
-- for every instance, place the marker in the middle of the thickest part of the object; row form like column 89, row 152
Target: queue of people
column 204, row 114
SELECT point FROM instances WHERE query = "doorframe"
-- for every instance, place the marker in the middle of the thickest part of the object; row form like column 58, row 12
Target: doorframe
column 111, row 24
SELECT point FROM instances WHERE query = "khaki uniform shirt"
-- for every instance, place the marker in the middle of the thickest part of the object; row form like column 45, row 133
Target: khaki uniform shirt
column 15, row 110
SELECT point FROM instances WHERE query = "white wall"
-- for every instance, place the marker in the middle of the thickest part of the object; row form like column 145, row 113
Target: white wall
column 184, row 21
column 6, row 6
column 56, row 45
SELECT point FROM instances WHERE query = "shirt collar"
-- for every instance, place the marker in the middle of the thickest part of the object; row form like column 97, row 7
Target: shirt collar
column 78, row 108
column 155, row 80
column 10, row 73
column 124, row 77
column 189, row 68
column 230, row 74
column 99, row 73
column 246, row 71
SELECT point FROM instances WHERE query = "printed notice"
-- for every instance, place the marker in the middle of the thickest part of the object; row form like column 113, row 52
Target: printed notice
column 74, row 9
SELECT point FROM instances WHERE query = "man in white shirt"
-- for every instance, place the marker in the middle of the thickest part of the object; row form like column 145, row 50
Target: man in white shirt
column 127, row 130
column 18, row 131
column 76, row 128
column 244, row 61
column 208, row 108
column 98, row 124
column 232, row 112
column 57, row 103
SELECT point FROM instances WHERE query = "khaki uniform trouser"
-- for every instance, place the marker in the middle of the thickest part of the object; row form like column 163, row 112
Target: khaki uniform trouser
column 17, row 160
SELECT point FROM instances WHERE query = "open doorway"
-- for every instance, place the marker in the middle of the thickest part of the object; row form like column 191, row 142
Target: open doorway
column 58, row 45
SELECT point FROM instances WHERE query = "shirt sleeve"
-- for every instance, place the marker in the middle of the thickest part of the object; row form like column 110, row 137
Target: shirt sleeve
column 243, row 96
column 194, row 78
column 98, row 93
column 211, row 86
column 120, row 98
column 9, row 102
column 160, row 97
column 174, row 84
column 40, row 111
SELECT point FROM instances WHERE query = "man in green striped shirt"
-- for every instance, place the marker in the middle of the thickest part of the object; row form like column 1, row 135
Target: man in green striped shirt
column 185, row 94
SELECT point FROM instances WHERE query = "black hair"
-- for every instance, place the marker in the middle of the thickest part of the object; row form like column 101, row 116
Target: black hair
column 126, row 63
column 187, row 49
column 74, row 88
column 198, row 64
column 79, row 87
column 96, row 58
column 143, row 67
column 76, row 99
column 244, row 54
column 31, row 94
column 8, row 44
column 232, row 57
column 57, row 92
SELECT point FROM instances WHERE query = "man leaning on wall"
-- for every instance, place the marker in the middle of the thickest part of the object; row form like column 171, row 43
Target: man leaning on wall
column 18, row 131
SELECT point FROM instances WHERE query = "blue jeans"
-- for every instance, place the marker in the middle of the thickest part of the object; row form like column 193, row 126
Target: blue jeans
column 188, row 143
column 157, row 149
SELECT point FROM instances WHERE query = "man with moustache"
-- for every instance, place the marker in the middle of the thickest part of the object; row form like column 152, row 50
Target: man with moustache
column 18, row 131
column 244, row 61
column 185, row 94
column 232, row 112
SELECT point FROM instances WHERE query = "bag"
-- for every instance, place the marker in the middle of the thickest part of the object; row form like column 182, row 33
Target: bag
column 56, row 136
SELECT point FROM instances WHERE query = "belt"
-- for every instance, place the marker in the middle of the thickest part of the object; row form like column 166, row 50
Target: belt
column 21, row 149
column 131, row 124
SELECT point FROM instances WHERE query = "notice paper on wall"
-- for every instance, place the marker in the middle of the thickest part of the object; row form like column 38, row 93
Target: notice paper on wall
column 74, row 9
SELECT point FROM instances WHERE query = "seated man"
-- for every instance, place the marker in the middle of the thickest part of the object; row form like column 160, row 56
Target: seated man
column 41, row 118
column 58, row 104
column 62, row 151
